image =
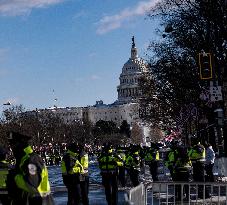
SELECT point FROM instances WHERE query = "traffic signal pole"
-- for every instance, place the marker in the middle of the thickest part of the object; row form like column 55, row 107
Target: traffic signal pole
column 207, row 73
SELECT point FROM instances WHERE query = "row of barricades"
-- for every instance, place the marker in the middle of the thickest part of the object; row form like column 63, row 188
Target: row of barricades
column 158, row 193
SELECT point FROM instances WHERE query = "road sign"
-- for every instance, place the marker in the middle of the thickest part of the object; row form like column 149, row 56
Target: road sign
column 215, row 93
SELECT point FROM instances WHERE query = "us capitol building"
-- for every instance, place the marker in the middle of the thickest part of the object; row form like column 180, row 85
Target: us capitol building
column 126, row 107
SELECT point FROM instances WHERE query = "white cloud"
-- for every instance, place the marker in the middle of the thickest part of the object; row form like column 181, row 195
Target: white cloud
column 109, row 23
column 23, row 7
column 95, row 77
column 79, row 15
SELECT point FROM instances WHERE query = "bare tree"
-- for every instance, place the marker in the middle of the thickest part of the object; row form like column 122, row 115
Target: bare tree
column 137, row 134
column 155, row 134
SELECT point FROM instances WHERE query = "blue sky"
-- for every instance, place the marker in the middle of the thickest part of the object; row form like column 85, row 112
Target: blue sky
column 75, row 47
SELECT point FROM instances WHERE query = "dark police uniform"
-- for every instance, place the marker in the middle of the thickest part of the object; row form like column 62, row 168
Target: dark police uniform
column 181, row 172
column 170, row 159
column 28, row 182
column 121, row 168
column 197, row 157
column 108, row 164
column 84, row 182
column 4, row 170
column 71, row 173
column 151, row 159
column 132, row 164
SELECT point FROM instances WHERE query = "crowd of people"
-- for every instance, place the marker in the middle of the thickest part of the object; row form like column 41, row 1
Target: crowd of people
column 184, row 163
column 25, row 180
column 197, row 160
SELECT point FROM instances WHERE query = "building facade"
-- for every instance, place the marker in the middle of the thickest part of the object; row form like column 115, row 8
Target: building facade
column 126, row 107
column 128, row 90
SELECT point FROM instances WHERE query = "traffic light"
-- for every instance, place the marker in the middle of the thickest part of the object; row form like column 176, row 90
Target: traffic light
column 205, row 66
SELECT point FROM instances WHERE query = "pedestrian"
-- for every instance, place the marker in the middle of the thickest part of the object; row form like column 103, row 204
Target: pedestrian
column 197, row 156
column 27, row 182
column 71, row 173
column 209, row 163
column 4, row 170
column 108, row 164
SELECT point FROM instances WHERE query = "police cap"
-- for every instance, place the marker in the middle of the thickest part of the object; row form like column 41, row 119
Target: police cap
column 74, row 147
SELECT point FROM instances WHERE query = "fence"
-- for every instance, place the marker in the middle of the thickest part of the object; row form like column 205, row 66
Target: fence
column 136, row 195
column 159, row 193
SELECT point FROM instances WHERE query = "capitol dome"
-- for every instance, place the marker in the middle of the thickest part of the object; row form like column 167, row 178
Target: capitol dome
column 133, row 69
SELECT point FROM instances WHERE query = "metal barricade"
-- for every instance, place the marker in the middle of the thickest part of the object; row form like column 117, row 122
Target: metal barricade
column 136, row 195
column 159, row 193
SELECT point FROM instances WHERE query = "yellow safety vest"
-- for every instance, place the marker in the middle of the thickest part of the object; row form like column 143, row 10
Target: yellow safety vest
column 151, row 156
column 76, row 169
column 133, row 161
column 44, row 186
column 122, row 157
column 108, row 162
column 84, row 162
column 171, row 158
column 194, row 155
column 3, row 173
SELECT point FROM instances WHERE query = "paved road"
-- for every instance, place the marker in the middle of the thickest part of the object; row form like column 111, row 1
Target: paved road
column 96, row 197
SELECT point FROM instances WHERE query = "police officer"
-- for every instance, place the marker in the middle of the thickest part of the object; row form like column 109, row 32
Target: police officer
column 197, row 157
column 170, row 158
column 4, row 168
column 151, row 159
column 132, row 164
column 84, row 182
column 181, row 172
column 121, row 169
column 108, row 164
column 71, row 173
column 27, row 182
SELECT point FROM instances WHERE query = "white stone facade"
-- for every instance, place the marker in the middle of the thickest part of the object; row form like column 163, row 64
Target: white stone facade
column 115, row 112
column 126, row 106
column 128, row 90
